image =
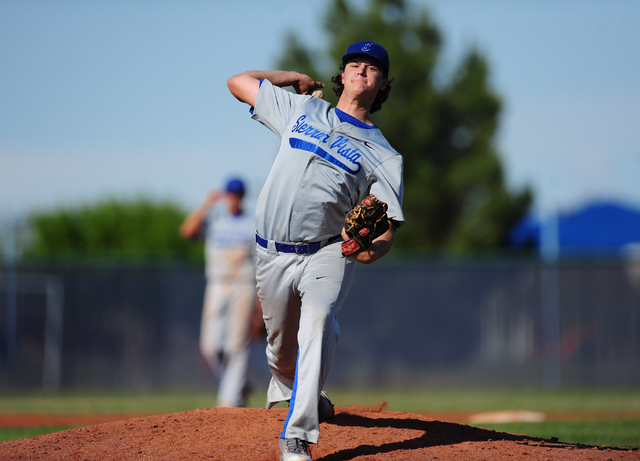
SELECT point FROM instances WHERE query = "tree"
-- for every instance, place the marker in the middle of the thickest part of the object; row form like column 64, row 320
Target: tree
column 124, row 230
column 455, row 196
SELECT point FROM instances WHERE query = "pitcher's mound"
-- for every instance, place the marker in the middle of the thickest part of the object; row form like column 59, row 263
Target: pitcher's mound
column 251, row 434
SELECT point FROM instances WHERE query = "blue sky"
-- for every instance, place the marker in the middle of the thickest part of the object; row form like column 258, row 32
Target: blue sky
column 120, row 98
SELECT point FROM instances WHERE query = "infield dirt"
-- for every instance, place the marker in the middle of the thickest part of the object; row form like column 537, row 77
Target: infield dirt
column 251, row 434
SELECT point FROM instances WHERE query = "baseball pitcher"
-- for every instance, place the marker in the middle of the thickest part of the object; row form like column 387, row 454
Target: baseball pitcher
column 333, row 198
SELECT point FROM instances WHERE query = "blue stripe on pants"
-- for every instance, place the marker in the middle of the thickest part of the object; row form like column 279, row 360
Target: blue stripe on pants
column 292, row 402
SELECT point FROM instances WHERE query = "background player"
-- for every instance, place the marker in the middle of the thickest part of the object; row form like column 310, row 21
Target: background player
column 329, row 161
column 229, row 311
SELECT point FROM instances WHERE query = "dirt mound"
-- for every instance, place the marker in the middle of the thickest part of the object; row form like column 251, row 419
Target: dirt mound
column 250, row 433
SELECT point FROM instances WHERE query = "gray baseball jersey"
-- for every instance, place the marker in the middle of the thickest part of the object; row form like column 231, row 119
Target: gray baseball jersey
column 328, row 162
column 229, row 246
column 324, row 168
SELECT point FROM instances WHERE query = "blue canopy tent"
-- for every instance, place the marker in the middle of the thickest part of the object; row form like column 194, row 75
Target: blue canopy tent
column 597, row 229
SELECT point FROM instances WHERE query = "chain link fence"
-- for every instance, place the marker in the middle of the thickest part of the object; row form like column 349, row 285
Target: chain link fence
column 404, row 324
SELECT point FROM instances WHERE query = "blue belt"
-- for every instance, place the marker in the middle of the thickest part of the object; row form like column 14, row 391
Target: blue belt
column 297, row 248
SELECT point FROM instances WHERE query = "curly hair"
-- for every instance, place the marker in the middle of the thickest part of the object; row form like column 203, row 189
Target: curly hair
column 338, row 88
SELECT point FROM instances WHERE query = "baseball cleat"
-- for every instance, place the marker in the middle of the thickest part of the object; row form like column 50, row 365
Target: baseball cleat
column 325, row 407
column 294, row 450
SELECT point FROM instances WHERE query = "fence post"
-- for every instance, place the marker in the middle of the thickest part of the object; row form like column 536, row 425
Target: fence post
column 52, row 370
column 550, row 298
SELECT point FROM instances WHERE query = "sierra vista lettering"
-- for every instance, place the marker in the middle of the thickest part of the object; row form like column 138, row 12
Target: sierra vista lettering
column 340, row 145
column 309, row 130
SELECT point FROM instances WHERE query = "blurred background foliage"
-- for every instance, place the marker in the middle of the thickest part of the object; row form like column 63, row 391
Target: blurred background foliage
column 456, row 200
column 133, row 230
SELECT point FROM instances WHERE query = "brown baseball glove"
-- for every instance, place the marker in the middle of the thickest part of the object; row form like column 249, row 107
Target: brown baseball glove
column 364, row 223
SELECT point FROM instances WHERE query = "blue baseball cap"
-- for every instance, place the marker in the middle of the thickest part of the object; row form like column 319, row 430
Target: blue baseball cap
column 235, row 186
column 370, row 49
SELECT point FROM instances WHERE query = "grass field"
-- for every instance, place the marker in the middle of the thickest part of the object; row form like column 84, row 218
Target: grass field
column 612, row 432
